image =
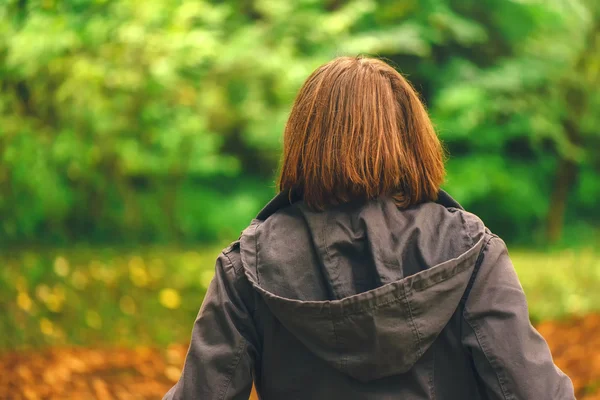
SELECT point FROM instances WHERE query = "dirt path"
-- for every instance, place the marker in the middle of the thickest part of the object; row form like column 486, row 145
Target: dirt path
column 106, row 374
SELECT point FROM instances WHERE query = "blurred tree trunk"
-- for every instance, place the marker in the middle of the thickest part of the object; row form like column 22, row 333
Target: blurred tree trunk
column 567, row 169
column 170, row 187
column 577, row 94
column 565, row 175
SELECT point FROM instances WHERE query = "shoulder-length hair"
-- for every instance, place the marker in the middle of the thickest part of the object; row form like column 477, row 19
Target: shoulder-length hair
column 358, row 131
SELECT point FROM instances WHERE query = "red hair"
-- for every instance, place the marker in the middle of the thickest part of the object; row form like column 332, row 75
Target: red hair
column 358, row 131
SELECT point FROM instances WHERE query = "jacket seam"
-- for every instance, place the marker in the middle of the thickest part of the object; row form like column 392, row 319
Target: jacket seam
column 485, row 350
column 337, row 341
column 256, row 255
column 476, row 268
column 432, row 375
column 371, row 308
column 335, row 265
column 231, row 263
column 459, row 268
column 466, row 229
column 238, row 356
column 231, row 247
column 475, row 327
column 413, row 325
column 475, row 271
column 239, row 276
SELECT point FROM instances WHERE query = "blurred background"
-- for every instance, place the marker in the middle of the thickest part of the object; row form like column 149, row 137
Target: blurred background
column 138, row 138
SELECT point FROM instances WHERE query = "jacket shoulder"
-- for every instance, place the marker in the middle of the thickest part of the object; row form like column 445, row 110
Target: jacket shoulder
column 459, row 220
column 232, row 254
column 232, row 271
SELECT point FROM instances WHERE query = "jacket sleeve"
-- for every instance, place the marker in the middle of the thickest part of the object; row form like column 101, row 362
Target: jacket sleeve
column 220, row 360
column 511, row 358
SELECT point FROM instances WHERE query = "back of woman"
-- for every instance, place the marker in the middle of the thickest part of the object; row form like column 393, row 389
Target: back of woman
column 362, row 279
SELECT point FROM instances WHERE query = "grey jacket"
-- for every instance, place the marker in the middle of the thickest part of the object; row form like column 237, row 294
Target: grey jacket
column 367, row 302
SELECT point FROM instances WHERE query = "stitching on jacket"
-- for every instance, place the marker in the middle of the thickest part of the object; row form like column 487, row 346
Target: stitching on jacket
column 235, row 363
column 413, row 325
column 466, row 228
column 432, row 374
column 336, row 268
column 253, row 310
column 237, row 266
column 242, row 276
column 471, row 282
column 233, row 264
column 474, row 326
column 371, row 308
column 335, row 336
column 254, row 295
column 343, row 359
column 256, row 254
column 457, row 269
column 232, row 246
column 485, row 349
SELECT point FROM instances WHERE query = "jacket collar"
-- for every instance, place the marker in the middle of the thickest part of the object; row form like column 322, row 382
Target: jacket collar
column 284, row 199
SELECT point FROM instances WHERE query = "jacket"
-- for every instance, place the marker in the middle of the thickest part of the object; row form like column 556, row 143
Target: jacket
column 367, row 301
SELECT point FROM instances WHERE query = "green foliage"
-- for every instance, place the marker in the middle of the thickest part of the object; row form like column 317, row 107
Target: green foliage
column 92, row 296
column 161, row 121
column 560, row 283
column 525, row 118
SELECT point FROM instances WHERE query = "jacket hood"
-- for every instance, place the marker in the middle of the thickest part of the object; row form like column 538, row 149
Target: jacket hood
column 367, row 288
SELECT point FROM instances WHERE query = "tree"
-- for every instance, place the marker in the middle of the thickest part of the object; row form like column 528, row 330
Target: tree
column 530, row 125
column 162, row 120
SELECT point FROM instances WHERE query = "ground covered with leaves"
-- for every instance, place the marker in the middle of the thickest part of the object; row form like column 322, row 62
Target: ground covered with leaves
column 146, row 373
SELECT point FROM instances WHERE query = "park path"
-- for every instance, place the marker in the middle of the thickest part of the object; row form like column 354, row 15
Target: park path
column 144, row 373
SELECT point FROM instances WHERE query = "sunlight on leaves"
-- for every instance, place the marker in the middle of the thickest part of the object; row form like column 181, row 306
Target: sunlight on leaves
column 46, row 327
column 96, row 268
column 79, row 280
column 206, row 277
column 93, row 319
column 157, row 268
column 42, row 292
column 127, row 305
column 170, row 298
column 61, row 266
column 54, row 302
column 137, row 272
column 55, row 298
column 24, row 301
column 21, row 284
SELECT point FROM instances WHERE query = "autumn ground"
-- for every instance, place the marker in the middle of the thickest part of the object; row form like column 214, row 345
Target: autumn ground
column 144, row 373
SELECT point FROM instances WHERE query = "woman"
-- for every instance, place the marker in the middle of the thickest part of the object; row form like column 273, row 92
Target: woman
column 362, row 279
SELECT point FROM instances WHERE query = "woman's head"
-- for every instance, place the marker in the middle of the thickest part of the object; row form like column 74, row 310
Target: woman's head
column 358, row 131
